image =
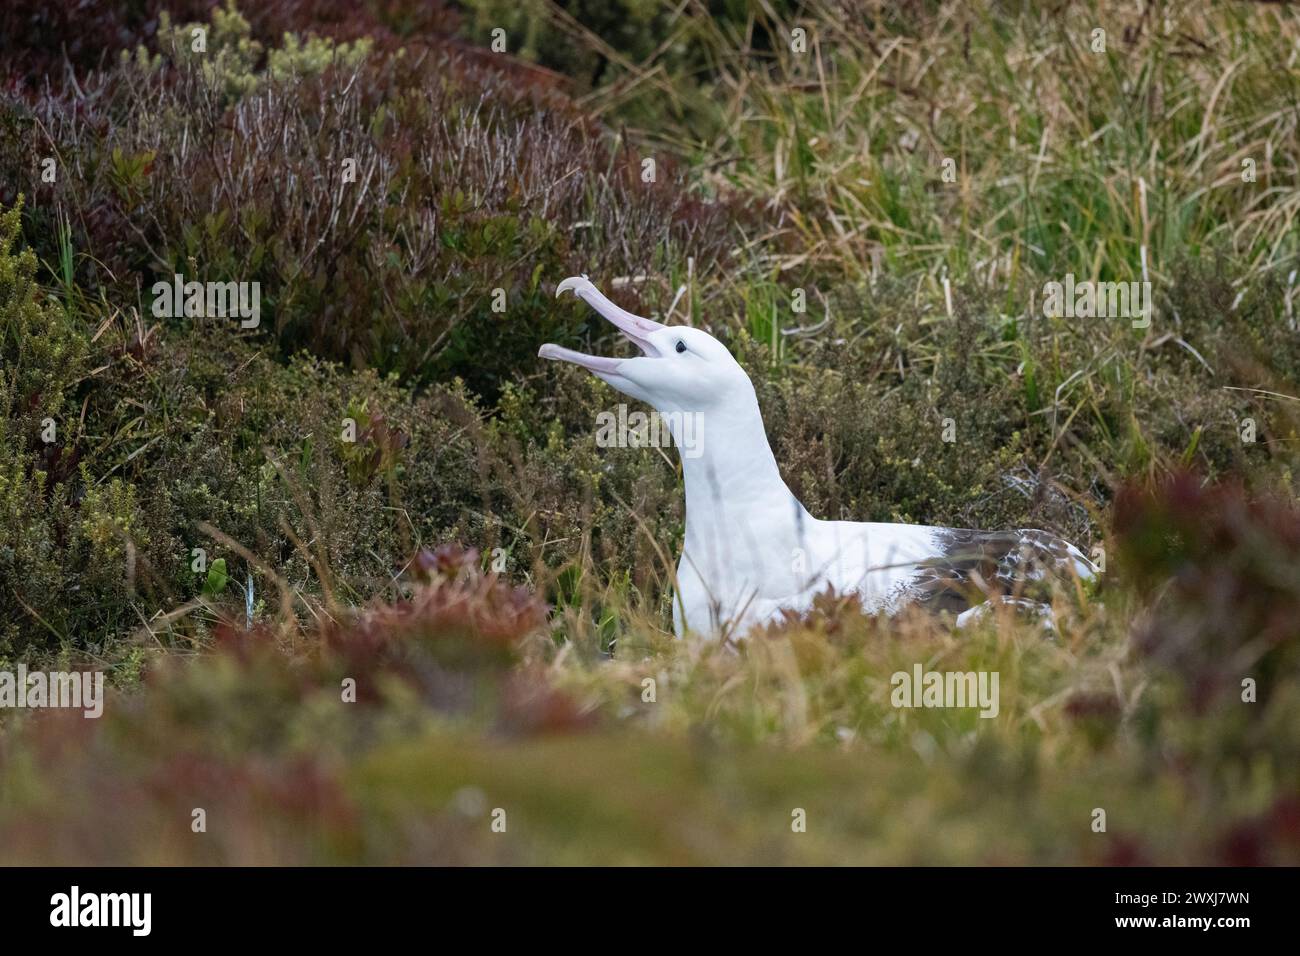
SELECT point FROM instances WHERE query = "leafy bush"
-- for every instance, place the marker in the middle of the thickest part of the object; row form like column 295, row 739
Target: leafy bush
column 43, row 358
column 399, row 211
column 1223, row 571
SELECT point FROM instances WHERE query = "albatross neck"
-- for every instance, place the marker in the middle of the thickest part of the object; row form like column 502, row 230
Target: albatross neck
column 734, row 476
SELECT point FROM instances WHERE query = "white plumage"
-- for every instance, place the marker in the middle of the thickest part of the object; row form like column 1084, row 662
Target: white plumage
column 751, row 550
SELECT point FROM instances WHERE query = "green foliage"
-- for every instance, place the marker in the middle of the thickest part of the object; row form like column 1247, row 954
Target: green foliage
column 42, row 352
column 43, row 356
column 230, row 62
column 297, row 58
column 391, row 732
column 110, row 523
column 388, row 204
column 1066, row 157
column 217, row 578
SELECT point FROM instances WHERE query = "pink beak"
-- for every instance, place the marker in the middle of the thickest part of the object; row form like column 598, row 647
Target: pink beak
column 634, row 327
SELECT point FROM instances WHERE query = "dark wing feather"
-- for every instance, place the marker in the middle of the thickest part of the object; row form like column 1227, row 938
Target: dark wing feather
column 974, row 566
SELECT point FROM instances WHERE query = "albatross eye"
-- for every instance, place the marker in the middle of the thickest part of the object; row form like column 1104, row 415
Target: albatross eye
column 681, row 346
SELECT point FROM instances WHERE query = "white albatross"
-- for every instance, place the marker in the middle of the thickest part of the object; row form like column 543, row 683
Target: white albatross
column 751, row 550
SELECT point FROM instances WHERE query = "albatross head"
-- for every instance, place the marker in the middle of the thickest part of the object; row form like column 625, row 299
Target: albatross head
column 680, row 368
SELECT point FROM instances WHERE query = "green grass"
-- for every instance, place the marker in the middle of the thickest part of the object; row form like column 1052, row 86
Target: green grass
column 1065, row 157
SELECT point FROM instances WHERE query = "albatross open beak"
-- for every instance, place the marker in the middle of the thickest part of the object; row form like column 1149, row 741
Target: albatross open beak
column 633, row 326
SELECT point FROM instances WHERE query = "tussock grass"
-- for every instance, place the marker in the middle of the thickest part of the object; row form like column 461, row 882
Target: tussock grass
column 1066, row 158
